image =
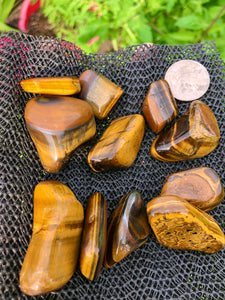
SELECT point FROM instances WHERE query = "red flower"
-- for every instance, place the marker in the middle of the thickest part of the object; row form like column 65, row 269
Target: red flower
column 93, row 7
column 94, row 39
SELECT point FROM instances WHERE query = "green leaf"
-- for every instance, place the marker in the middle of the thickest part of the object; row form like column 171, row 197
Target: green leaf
column 5, row 8
column 191, row 22
column 4, row 27
column 183, row 36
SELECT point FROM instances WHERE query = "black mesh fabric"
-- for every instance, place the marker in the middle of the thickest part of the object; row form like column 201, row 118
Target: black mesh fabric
column 152, row 271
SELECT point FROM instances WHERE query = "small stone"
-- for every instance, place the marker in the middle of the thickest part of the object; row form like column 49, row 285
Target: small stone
column 128, row 228
column 159, row 107
column 194, row 135
column 200, row 186
column 178, row 224
column 101, row 93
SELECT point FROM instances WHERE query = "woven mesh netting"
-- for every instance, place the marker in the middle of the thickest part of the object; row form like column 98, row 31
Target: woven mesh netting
column 152, row 271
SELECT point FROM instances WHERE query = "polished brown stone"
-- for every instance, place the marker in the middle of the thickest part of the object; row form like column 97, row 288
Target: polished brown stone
column 200, row 186
column 159, row 106
column 53, row 250
column 65, row 85
column 57, row 126
column 128, row 228
column 94, row 237
column 119, row 145
column 180, row 225
column 101, row 93
column 194, row 135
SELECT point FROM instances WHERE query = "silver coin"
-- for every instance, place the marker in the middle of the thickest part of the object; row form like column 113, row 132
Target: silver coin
column 188, row 80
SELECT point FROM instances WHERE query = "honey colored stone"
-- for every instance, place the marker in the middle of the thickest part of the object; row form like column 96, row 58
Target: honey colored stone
column 101, row 93
column 119, row 145
column 194, row 135
column 200, row 186
column 65, row 85
column 53, row 250
column 178, row 224
column 94, row 237
column 57, row 126
column 159, row 106
column 128, row 228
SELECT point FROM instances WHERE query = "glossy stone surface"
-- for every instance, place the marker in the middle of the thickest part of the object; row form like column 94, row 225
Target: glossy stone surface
column 178, row 224
column 194, row 135
column 94, row 237
column 119, row 145
column 128, row 228
column 65, row 85
column 53, row 250
column 159, row 106
column 101, row 93
column 57, row 126
column 200, row 186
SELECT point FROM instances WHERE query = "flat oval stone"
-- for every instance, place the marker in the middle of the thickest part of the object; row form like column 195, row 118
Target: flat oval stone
column 57, row 126
column 194, row 135
column 200, row 186
column 178, row 224
column 159, row 106
column 94, row 237
column 65, row 85
column 119, row 145
column 128, row 228
column 53, row 250
column 101, row 93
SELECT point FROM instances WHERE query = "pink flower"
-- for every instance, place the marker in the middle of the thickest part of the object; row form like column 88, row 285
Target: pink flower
column 27, row 10
column 93, row 7
column 94, row 39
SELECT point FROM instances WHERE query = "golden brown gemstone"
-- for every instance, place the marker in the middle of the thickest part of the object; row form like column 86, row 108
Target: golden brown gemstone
column 128, row 228
column 159, row 107
column 94, row 237
column 65, row 85
column 200, row 186
column 194, row 135
column 53, row 250
column 101, row 93
column 178, row 224
column 57, row 126
column 119, row 144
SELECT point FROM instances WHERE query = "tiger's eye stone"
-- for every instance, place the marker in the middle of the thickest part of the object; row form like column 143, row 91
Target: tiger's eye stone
column 159, row 107
column 194, row 135
column 119, row 144
column 53, row 250
column 101, row 93
column 65, row 85
column 178, row 224
column 57, row 126
column 94, row 237
column 200, row 186
column 128, row 228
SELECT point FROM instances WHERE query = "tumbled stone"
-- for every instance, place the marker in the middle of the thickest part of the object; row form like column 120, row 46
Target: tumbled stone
column 159, row 106
column 101, row 93
column 119, row 145
column 194, row 135
column 94, row 237
column 65, row 85
column 128, row 228
column 200, row 186
column 53, row 250
column 57, row 126
column 180, row 225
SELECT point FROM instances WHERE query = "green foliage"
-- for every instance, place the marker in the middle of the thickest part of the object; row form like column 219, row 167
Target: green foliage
column 5, row 8
column 137, row 21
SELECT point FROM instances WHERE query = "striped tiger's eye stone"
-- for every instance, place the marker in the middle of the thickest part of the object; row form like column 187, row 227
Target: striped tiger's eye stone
column 128, row 228
column 178, row 224
column 159, row 107
column 94, row 237
column 57, row 126
column 119, row 145
column 65, row 85
column 200, row 186
column 53, row 250
column 101, row 93
column 194, row 135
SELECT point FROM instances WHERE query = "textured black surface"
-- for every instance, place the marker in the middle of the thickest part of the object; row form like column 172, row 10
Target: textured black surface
column 152, row 271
